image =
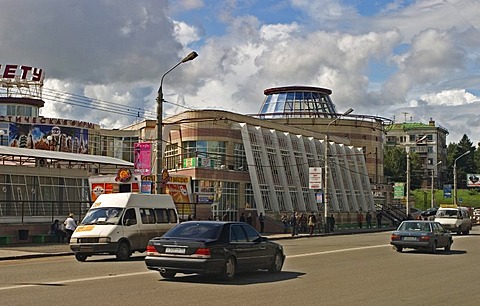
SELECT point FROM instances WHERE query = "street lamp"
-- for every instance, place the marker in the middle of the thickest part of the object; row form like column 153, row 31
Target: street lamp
column 158, row 182
column 407, row 206
column 325, row 159
column 432, row 189
column 455, row 177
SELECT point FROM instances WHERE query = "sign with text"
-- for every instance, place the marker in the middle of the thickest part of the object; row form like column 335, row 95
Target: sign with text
column 399, row 190
column 315, row 180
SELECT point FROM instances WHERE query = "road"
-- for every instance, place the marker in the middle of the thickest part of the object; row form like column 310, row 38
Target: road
column 335, row 270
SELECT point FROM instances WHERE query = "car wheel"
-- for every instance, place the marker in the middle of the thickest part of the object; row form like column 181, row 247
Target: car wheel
column 466, row 232
column 123, row 251
column 277, row 263
column 81, row 257
column 228, row 272
column 449, row 245
column 434, row 247
column 399, row 249
column 168, row 274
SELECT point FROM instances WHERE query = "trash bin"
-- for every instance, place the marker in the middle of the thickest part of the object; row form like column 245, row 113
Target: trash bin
column 23, row 234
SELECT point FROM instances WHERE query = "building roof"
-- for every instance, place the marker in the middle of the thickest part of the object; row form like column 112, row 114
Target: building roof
column 22, row 155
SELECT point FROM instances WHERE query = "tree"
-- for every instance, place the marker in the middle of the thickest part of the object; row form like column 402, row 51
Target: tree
column 395, row 166
column 466, row 164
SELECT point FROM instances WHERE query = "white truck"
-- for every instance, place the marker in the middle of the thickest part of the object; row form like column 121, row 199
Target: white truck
column 122, row 223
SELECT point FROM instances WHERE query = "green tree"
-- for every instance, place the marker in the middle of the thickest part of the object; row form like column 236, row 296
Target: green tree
column 395, row 166
column 466, row 164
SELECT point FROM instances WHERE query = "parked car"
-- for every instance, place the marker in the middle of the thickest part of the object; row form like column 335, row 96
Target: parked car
column 424, row 235
column 213, row 247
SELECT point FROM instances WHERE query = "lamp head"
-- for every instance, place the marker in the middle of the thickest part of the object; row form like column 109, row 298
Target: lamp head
column 190, row 57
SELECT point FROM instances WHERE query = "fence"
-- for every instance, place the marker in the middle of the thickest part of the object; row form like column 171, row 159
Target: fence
column 40, row 211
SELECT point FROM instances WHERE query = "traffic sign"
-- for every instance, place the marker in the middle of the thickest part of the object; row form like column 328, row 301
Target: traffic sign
column 315, row 178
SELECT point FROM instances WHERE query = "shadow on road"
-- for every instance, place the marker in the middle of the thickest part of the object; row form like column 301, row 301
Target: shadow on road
column 246, row 278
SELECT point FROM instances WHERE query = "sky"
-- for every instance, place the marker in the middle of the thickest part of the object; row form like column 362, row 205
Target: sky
column 405, row 60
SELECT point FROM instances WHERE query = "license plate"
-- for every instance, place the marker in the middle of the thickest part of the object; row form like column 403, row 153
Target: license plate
column 410, row 238
column 175, row 250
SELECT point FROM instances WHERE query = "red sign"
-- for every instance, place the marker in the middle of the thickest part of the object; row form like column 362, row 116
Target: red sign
column 26, row 73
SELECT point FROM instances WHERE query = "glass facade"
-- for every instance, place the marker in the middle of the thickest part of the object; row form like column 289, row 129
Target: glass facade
column 298, row 102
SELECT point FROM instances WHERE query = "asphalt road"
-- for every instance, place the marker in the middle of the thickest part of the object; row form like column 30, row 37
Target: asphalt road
column 335, row 270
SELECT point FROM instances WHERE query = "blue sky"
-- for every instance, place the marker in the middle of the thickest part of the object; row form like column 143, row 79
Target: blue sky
column 383, row 58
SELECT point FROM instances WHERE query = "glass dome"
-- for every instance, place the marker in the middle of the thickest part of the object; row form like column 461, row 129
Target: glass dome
column 298, row 102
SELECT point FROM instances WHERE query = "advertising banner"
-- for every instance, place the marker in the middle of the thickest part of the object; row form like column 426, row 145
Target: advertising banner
column 447, row 191
column 399, row 190
column 473, row 180
column 143, row 158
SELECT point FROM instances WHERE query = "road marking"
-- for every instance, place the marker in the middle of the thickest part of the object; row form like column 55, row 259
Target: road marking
column 339, row 251
column 86, row 279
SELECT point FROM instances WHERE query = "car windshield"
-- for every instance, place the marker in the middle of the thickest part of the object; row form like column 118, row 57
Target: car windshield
column 414, row 226
column 447, row 213
column 102, row 215
column 195, row 230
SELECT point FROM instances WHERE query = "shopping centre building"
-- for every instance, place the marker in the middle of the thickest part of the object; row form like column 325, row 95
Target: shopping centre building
column 218, row 164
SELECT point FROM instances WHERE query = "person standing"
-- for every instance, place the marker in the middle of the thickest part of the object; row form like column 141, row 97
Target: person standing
column 70, row 226
column 360, row 218
column 379, row 219
column 285, row 223
column 293, row 223
column 242, row 217
column 261, row 218
column 312, row 220
column 249, row 219
column 368, row 218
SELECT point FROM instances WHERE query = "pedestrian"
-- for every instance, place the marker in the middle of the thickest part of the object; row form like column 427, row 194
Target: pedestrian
column 261, row 218
column 57, row 231
column 70, row 226
column 293, row 223
column 360, row 218
column 285, row 223
column 249, row 219
column 189, row 218
column 332, row 223
column 312, row 220
column 303, row 223
column 379, row 219
column 368, row 218
column 242, row 217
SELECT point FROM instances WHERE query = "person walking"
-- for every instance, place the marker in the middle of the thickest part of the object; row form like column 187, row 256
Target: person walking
column 261, row 218
column 242, row 217
column 70, row 226
column 293, row 223
column 285, row 223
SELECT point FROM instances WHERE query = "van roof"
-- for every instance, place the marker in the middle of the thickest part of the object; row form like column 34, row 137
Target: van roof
column 127, row 199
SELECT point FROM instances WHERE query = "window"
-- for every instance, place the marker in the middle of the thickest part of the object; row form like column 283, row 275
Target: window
column 252, row 234
column 130, row 218
column 147, row 215
column 237, row 234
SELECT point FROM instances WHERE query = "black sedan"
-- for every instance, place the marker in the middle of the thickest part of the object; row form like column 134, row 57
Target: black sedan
column 213, row 247
column 417, row 234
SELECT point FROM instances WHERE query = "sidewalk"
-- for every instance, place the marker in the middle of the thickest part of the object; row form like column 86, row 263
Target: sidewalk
column 36, row 250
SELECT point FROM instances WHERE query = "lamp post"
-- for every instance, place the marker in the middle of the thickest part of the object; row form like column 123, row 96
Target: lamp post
column 455, row 177
column 432, row 190
column 325, row 159
column 407, row 205
column 158, row 180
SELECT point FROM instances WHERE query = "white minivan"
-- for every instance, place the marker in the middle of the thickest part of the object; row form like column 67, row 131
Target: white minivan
column 454, row 218
column 122, row 223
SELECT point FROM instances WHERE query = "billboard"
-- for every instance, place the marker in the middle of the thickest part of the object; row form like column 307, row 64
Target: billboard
column 143, row 158
column 48, row 137
column 473, row 180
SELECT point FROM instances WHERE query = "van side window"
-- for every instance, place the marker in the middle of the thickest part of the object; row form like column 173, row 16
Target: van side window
column 147, row 215
column 161, row 215
column 172, row 216
column 130, row 217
